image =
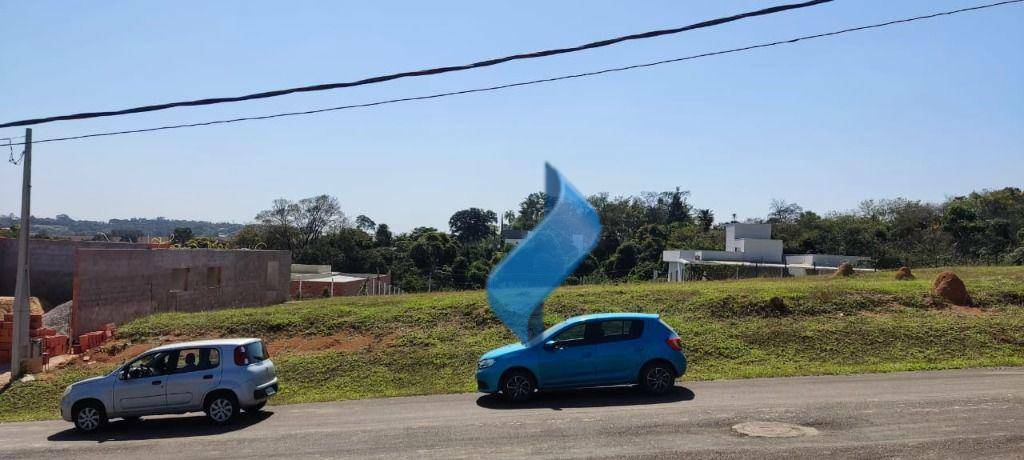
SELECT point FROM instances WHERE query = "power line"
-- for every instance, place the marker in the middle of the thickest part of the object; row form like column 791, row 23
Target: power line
column 531, row 82
column 417, row 73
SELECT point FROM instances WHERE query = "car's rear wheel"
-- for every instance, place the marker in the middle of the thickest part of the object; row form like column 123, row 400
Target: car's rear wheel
column 89, row 417
column 657, row 378
column 518, row 386
column 221, row 408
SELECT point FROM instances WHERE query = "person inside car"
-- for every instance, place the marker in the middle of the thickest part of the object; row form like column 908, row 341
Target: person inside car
column 190, row 363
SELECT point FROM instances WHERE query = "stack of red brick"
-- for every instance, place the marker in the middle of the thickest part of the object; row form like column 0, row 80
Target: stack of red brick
column 94, row 339
column 53, row 343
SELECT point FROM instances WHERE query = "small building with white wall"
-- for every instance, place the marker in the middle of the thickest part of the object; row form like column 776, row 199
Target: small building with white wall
column 310, row 281
column 752, row 245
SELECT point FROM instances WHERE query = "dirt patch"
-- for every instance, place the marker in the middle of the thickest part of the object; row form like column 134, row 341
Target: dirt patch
column 904, row 274
column 951, row 288
column 337, row 342
column 966, row 311
column 116, row 352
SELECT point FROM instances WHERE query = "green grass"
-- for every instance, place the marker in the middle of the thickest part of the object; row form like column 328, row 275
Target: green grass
column 869, row 323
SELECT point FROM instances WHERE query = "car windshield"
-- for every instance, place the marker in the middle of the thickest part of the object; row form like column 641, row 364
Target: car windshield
column 544, row 336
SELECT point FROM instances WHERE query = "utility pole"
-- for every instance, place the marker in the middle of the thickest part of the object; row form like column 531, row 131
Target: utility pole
column 19, row 336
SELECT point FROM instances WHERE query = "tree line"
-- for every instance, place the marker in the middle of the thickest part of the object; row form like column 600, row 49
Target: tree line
column 985, row 227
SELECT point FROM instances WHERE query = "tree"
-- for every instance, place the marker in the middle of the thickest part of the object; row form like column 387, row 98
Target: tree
column 623, row 261
column 382, row 237
column 705, row 218
column 430, row 251
column 181, row 236
column 473, row 224
column 295, row 226
column 782, row 212
column 317, row 215
column 127, row 235
column 531, row 211
column 509, row 218
column 280, row 221
column 249, row 237
column 678, row 208
column 961, row 222
column 365, row 224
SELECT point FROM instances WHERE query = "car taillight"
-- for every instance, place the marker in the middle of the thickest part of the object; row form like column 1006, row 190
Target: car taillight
column 676, row 343
column 241, row 358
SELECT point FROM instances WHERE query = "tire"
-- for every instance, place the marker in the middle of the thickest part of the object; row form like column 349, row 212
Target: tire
column 221, row 408
column 657, row 378
column 89, row 417
column 518, row 386
column 255, row 409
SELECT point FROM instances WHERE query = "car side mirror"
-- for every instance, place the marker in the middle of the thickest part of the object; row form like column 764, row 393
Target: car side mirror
column 550, row 345
column 123, row 374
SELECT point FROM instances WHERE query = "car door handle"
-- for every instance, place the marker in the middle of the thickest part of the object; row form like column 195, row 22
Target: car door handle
column 208, row 377
column 157, row 382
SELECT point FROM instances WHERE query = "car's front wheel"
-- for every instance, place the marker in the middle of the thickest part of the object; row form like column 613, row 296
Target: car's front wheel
column 89, row 417
column 221, row 408
column 657, row 378
column 518, row 386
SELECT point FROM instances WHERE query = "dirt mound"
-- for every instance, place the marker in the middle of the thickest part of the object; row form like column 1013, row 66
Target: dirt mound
column 777, row 307
column 904, row 274
column 34, row 307
column 844, row 270
column 951, row 288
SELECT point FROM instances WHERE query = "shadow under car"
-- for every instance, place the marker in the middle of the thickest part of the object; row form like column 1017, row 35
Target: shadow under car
column 160, row 428
column 588, row 397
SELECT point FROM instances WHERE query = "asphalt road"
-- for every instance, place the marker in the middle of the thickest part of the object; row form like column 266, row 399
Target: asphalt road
column 960, row 414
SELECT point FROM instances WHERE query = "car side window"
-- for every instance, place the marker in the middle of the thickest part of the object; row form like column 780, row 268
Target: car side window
column 572, row 336
column 197, row 359
column 615, row 330
column 152, row 365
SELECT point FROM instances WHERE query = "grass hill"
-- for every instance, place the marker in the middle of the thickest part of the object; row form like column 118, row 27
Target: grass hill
column 362, row 347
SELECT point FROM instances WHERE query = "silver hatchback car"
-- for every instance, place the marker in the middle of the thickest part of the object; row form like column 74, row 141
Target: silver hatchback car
column 220, row 377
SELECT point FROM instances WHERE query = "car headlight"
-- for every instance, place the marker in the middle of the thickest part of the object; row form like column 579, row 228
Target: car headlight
column 484, row 363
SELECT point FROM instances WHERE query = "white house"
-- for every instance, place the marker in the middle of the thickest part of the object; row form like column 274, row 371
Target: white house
column 752, row 245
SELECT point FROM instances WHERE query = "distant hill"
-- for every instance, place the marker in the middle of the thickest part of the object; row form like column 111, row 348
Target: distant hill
column 63, row 226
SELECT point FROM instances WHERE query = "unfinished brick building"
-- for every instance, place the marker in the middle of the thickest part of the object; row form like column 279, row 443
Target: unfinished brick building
column 117, row 282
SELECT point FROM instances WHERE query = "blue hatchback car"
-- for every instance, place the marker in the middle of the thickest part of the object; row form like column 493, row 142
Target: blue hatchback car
column 587, row 351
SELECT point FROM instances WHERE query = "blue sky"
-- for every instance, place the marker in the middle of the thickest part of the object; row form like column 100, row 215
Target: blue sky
column 924, row 110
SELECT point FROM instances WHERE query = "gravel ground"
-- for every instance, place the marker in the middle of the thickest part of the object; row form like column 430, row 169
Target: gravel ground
column 58, row 317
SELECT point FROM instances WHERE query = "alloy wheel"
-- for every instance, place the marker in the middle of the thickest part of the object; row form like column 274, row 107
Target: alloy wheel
column 221, row 410
column 658, row 379
column 518, row 387
column 88, row 418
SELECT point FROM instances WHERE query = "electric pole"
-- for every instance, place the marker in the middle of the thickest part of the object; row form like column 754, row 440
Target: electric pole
column 19, row 336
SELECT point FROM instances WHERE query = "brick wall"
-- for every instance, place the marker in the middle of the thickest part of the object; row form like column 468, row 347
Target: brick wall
column 51, row 266
column 115, row 286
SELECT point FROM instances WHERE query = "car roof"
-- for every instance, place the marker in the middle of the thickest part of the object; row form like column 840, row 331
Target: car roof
column 599, row 316
column 205, row 343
